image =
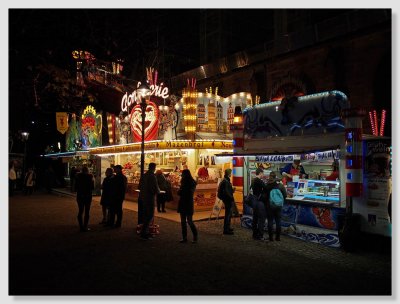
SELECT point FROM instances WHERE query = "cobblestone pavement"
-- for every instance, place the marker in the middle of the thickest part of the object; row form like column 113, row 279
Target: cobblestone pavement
column 48, row 256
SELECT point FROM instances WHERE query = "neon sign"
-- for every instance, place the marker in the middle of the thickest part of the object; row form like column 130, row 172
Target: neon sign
column 156, row 90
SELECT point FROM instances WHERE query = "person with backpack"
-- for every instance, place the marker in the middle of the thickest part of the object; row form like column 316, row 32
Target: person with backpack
column 275, row 195
column 225, row 193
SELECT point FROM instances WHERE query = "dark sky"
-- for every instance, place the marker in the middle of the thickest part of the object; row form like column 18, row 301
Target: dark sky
column 167, row 39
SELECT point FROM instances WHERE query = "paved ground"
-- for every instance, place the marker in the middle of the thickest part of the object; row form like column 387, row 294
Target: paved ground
column 49, row 256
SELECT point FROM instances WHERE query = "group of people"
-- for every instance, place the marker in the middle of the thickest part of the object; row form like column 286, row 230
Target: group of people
column 28, row 183
column 265, row 206
column 113, row 195
column 150, row 190
column 152, row 186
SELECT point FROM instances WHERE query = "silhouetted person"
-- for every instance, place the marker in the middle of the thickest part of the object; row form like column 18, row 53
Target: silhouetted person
column 259, row 212
column 29, row 181
column 106, row 195
column 84, row 188
column 148, row 190
column 186, row 205
column 163, row 185
column 227, row 200
column 119, row 184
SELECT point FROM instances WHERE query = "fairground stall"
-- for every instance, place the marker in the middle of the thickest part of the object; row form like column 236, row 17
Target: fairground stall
column 325, row 134
column 179, row 133
column 82, row 131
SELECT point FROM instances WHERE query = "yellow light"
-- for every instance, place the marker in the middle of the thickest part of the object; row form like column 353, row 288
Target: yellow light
column 236, row 119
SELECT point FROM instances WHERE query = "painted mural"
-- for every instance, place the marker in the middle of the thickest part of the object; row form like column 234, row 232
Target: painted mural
column 311, row 114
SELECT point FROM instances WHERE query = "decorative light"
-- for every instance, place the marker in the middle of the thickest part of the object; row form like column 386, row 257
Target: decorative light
column 371, row 121
column 383, row 119
column 238, row 117
column 375, row 124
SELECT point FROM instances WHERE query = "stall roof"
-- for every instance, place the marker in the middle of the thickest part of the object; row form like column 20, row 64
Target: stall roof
column 294, row 144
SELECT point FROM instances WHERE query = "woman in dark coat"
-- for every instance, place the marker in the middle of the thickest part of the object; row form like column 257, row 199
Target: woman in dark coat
column 106, row 195
column 186, row 205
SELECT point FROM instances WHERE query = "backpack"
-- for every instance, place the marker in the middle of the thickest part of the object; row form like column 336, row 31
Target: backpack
column 221, row 192
column 276, row 198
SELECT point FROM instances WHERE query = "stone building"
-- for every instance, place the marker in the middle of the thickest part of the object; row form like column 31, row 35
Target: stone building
column 349, row 52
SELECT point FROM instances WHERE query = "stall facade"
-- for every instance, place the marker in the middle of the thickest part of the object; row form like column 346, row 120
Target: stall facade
column 178, row 133
column 313, row 129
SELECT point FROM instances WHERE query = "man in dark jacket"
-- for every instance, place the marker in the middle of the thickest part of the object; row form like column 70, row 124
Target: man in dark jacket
column 148, row 190
column 228, row 200
column 84, row 188
column 259, row 213
column 119, row 184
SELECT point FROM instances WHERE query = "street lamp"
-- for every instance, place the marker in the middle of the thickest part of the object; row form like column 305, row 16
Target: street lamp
column 143, row 91
column 24, row 137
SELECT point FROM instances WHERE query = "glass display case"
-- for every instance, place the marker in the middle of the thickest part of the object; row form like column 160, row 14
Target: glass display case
column 320, row 191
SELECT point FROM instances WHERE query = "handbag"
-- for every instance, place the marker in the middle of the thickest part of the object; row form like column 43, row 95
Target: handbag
column 251, row 200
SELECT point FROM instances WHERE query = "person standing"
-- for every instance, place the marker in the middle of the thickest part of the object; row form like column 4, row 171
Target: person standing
column 203, row 171
column 228, row 200
column 335, row 172
column 163, row 185
column 259, row 211
column 106, row 195
column 12, row 178
column 186, row 205
column 275, row 194
column 148, row 190
column 29, row 181
column 119, row 184
column 293, row 169
column 84, row 188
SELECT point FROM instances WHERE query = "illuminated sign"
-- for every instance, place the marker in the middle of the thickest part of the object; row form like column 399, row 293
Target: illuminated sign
column 156, row 90
column 150, row 123
column 163, row 145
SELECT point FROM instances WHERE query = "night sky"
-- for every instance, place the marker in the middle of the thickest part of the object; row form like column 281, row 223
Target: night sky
column 167, row 39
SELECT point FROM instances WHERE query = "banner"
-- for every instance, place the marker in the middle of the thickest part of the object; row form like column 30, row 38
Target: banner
column 62, row 122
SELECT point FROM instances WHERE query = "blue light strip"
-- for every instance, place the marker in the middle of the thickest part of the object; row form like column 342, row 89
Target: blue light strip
column 65, row 153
